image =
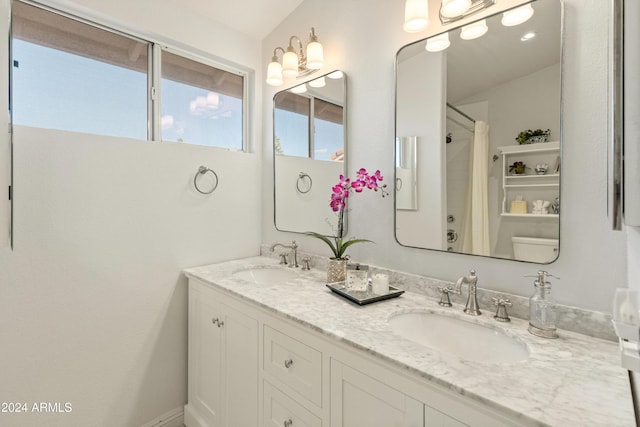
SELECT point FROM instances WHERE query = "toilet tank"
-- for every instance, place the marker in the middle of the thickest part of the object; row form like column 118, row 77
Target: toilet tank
column 534, row 249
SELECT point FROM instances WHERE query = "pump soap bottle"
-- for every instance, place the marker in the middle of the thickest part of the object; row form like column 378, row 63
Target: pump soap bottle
column 542, row 308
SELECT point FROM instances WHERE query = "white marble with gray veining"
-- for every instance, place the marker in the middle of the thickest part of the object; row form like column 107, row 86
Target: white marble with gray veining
column 575, row 380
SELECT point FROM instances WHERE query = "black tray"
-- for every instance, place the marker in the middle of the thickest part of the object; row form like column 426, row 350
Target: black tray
column 362, row 297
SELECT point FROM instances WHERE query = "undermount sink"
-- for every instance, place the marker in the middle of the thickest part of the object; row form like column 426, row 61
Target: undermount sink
column 456, row 337
column 266, row 275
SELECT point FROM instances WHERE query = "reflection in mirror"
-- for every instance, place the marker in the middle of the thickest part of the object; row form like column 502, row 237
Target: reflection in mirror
column 309, row 145
column 406, row 179
column 460, row 108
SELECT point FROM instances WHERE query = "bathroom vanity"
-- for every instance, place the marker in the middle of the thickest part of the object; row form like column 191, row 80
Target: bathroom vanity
column 273, row 346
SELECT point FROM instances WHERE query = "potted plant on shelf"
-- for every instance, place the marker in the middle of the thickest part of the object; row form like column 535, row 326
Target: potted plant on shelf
column 517, row 168
column 337, row 243
column 533, row 136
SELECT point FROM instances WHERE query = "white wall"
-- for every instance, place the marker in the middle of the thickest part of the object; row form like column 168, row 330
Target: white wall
column 94, row 305
column 362, row 40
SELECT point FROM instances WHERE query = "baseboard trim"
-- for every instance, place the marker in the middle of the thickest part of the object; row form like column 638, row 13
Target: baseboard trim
column 173, row 418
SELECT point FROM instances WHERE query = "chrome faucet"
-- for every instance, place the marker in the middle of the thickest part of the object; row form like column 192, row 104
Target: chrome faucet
column 294, row 251
column 472, row 300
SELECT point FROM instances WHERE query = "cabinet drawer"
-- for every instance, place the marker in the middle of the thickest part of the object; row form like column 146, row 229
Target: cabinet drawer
column 294, row 364
column 282, row 411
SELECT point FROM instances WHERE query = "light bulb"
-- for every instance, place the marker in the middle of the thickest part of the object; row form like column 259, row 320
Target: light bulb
column 438, row 43
column 274, row 74
column 416, row 15
column 475, row 30
column 290, row 63
column 517, row 16
column 454, row 8
column 315, row 55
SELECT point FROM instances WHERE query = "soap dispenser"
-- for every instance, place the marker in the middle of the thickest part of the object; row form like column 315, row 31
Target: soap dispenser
column 542, row 308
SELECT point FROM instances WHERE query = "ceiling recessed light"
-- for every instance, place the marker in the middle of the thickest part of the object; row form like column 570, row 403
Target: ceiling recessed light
column 527, row 36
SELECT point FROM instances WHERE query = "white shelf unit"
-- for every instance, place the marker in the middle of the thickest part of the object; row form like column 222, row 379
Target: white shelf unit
column 543, row 187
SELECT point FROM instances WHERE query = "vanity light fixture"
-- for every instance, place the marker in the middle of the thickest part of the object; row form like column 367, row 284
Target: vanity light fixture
column 438, row 43
column 517, row 16
column 474, row 30
column 416, row 15
column 296, row 64
column 454, row 10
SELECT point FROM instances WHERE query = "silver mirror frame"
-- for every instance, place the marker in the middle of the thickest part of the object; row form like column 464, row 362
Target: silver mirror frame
column 562, row 77
column 304, row 175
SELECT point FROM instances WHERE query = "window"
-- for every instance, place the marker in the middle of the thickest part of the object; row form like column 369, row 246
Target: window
column 70, row 75
column 201, row 104
column 291, row 123
column 329, row 131
column 307, row 126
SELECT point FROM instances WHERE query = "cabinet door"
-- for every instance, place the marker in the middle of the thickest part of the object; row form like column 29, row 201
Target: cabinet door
column 358, row 400
column 223, row 363
column 205, row 360
column 240, row 374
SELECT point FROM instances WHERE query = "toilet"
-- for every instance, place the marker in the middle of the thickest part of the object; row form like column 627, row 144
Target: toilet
column 534, row 249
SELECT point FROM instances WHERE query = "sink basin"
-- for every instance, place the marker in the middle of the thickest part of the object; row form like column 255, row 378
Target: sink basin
column 456, row 337
column 266, row 275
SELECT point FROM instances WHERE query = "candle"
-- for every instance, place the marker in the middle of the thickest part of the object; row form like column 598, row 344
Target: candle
column 380, row 284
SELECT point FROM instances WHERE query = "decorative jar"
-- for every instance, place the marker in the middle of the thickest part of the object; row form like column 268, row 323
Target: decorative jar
column 336, row 270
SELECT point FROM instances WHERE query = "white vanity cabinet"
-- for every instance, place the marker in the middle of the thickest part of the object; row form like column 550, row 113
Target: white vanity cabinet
column 223, row 361
column 302, row 377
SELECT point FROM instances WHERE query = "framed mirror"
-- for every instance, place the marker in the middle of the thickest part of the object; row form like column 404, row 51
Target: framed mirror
column 467, row 111
column 310, row 149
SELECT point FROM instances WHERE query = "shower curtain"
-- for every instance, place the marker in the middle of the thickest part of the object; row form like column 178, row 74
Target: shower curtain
column 475, row 238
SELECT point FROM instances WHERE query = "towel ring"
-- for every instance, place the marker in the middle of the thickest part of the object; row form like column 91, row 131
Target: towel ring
column 201, row 171
column 301, row 178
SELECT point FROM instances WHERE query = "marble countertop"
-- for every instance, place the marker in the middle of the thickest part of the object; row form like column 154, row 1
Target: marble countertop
column 572, row 380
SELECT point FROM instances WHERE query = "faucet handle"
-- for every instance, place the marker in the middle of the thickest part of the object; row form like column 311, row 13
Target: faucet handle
column 445, row 301
column 501, row 309
column 306, row 263
column 283, row 258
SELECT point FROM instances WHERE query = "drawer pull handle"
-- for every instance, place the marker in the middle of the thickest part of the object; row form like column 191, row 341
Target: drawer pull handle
column 219, row 323
column 288, row 363
column 288, row 423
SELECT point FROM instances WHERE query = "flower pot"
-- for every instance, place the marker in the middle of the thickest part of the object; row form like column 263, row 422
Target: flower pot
column 518, row 170
column 536, row 139
column 336, row 270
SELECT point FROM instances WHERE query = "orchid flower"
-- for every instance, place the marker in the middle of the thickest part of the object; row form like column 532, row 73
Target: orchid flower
column 339, row 194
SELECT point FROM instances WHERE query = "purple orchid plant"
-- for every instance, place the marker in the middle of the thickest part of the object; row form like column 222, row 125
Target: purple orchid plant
column 339, row 195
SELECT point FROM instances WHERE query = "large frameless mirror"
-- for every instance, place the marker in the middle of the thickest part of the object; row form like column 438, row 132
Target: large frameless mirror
column 478, row 138
column 309, row 146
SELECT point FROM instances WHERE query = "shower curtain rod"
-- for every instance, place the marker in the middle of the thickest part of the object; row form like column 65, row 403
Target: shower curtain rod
column 462, row 113
column 461, row 125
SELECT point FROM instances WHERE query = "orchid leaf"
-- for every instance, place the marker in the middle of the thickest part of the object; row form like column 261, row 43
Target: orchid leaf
column 351, row 242
column 327, row 241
